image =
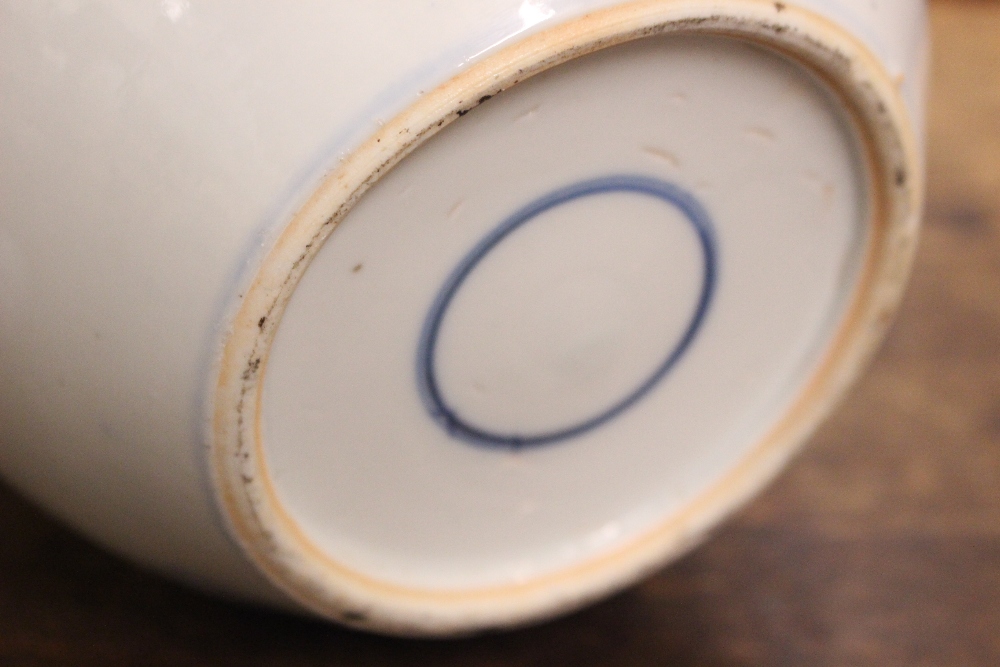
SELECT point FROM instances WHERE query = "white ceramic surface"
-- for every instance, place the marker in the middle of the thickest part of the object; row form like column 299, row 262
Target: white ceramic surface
column 435, row 316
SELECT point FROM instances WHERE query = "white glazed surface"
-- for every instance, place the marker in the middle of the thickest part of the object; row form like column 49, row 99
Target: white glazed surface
column 150, row 151
column 567, row 315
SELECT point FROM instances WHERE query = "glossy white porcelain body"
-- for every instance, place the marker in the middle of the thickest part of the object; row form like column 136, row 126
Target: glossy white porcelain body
column 484, row 403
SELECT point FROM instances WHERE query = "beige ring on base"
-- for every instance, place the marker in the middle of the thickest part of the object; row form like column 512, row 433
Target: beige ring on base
column 281, row 549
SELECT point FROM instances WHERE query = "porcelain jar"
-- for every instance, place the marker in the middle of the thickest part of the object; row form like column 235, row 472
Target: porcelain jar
column 436, row 316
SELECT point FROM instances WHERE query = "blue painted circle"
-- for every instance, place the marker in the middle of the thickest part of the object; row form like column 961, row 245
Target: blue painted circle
column 427, row 382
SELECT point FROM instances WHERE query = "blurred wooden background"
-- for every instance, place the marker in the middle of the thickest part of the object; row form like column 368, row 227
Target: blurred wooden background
column 880, row 545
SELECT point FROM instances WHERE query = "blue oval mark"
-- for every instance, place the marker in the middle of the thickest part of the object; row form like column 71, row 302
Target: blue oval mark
column 427, row 381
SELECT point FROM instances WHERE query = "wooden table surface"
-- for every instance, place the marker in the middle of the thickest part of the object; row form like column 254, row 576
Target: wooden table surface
column 880, row 545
